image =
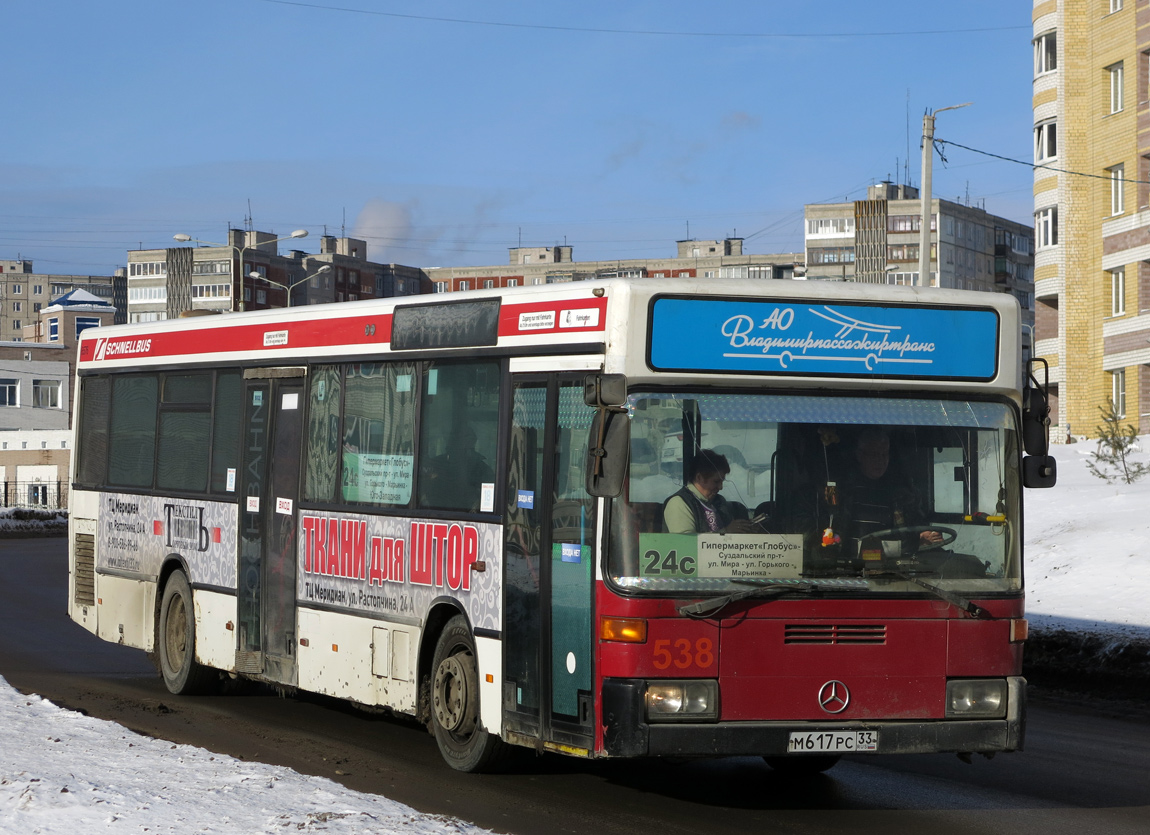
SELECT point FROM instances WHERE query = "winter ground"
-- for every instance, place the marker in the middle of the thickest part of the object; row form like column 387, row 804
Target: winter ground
column 1088, row 600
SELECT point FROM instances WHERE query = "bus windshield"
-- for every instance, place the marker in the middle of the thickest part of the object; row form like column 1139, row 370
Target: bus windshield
column 726, row 491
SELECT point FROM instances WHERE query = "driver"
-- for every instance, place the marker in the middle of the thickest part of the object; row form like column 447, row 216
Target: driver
column 876, row 497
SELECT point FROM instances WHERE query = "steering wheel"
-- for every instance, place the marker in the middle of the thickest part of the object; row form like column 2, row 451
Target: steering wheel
column 894, row 533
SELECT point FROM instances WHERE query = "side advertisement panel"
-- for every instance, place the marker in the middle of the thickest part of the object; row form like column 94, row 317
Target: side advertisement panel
column 136, row 533
column 395, row 567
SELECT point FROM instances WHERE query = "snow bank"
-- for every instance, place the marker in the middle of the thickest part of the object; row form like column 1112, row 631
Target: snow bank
column 63, row 772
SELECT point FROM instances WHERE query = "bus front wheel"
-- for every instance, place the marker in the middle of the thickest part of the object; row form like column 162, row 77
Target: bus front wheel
column 182, row 674
column 462, row 740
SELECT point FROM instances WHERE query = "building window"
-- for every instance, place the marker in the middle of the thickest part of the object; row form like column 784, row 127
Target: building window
column 1117, row 176
column 1045, row 53
column 1118, row 291
column 488, row 284
column 261, row 296
column 17, row 289
column 9, row 392
column 37, row 289
column 464, row 285
column 1118, row 391
column 1046, row 228
column 1115, row 71
column 441, row 287
column 16, row 307
column 1115, row 6
column 46, row 394
column 513, row 282
column 53, row 330
column 1045, row 141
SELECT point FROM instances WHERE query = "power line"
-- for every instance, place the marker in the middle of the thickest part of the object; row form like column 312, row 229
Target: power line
column 597, row 30
column 1035, row 165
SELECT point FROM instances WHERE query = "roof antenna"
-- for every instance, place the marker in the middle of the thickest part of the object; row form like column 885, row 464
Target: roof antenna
column 248, row 220
column 343, row 225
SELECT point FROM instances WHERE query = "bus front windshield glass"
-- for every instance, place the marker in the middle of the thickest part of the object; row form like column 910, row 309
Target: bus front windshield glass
column 729, row 491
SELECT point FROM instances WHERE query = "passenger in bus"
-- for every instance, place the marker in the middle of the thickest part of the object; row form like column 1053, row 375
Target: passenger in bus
column 877, row 496
column 454, row 479
column 698, row 507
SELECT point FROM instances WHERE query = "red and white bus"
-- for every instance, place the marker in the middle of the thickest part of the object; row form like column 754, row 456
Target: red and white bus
column 461, row 510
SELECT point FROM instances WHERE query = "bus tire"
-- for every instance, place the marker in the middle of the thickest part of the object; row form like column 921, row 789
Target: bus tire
column 176, row 638
column 462, row 739
column 805, row 766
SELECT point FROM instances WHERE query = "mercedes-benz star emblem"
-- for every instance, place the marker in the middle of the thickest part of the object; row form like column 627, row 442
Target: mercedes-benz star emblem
column 834, row 697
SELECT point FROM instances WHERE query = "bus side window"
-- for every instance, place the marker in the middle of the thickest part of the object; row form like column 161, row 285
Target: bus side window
column 132, row 446
column 92, row 434
column 322, row 461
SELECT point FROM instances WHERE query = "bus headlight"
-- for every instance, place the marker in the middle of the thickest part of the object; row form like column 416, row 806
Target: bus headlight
column 973, row 698
column 691, row 700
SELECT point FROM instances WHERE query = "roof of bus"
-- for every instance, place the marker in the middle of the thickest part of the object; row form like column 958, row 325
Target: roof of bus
column 596, row 316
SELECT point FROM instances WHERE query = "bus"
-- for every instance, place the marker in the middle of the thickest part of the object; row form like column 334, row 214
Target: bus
column 460, row 509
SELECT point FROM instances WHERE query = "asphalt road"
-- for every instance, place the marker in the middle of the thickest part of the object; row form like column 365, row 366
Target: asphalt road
column 1083, row 771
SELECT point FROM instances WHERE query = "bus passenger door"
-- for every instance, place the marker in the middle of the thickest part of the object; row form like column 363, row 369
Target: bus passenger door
column 272, row 448
column 550, row 572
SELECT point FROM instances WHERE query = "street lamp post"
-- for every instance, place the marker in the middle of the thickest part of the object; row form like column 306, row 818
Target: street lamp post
column 239, row 251
column 326, row 268
column 927, row 160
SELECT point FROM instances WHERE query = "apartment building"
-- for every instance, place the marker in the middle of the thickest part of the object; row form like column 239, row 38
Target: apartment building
column 876, row 241
column 1092, row 207
column 528, row 266
column 24, row 293
column 37, row 376
column 165, row 283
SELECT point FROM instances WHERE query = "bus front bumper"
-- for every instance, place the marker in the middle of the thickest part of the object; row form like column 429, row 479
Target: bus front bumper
column 628, row 734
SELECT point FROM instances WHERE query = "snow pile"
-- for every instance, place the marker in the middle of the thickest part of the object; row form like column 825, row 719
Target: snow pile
column 24, row 521
column 63, row 772
column 1088, row 550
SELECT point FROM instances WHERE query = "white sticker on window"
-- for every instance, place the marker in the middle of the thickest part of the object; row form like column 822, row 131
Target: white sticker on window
column 290, row 401
column 231, row 488
column 486, row 497
column 253, row 504
column 283, row 506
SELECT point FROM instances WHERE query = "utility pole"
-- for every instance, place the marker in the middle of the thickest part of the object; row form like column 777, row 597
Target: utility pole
column 927, row 159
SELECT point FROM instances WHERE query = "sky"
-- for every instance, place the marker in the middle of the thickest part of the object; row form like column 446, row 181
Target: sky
column 444, row 132
column 63, row 773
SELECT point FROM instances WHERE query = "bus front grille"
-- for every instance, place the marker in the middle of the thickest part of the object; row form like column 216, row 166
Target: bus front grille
column 834, row 633
column 85, row 569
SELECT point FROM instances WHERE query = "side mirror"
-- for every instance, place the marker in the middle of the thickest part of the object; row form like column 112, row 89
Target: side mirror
column 1039, row 471
column 601, row 390
column 607, row 453
column 1035, row 421
column 607, row 448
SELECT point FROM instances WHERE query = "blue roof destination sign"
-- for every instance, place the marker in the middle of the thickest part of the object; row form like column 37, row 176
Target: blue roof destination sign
column 784, row 336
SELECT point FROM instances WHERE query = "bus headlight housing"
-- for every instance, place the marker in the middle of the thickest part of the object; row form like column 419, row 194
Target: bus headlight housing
column 976, row 698
column 690, row 700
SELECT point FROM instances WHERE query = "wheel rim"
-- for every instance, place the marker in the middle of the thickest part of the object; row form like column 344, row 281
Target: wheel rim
column 454, row 698
column 176, row 637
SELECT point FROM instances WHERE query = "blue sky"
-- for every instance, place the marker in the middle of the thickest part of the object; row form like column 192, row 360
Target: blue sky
column 444, row 142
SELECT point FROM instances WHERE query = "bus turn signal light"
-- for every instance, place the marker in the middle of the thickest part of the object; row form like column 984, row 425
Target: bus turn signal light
column 628, row 630
column 1019, row 630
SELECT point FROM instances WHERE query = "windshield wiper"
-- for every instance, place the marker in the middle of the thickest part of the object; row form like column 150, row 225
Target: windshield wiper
column 960, row 602
column 764, row 589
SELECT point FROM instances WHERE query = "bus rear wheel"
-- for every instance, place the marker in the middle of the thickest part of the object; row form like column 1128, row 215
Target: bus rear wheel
column 462, row 740
column 183, row 675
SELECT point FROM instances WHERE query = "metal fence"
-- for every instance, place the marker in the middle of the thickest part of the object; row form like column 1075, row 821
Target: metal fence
column 45, row 495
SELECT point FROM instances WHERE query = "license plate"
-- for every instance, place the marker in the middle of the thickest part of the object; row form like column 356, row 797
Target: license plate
column 832, row 742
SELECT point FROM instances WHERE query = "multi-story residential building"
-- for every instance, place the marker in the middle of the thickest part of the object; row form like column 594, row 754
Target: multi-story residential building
column 877, row 241
column 1092, row 207
column 535, row 265
column 23, row 293
column 36, row 382
column 164, row 283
